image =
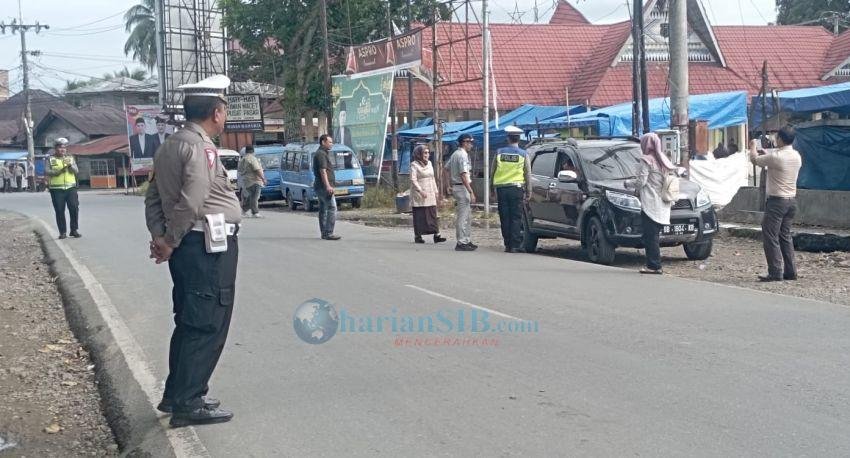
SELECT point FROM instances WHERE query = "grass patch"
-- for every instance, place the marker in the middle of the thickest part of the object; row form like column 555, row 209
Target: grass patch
column 379, row 197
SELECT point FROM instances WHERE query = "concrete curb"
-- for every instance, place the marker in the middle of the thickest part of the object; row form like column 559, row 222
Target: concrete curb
column 810, row 241
column 126, row 407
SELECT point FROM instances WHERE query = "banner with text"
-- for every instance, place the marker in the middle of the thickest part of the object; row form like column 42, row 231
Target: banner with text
column 146, row 130
column 244, row 113
column 361, row 107
column 389, row 55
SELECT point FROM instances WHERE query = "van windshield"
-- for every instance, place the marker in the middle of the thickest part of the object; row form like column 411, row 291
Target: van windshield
column 346, row 160
column 230, row 162
column 269, row 161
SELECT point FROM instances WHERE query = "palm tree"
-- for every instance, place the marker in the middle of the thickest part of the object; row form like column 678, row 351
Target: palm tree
column 139, row 21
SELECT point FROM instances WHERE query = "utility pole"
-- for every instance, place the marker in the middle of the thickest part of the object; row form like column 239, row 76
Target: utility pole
column 679, row 73
column 763, row 174
column 485, row 18
column 409, row 74
column 438, row 126
column 636, row 95
column 22, row 28
column 394, row 115
column 328, row 91
column 644, row 89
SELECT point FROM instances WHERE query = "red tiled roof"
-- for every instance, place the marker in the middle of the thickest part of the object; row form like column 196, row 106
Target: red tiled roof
column 567, row 14
column 536, row 63
column 103, row 145
column 838, row 52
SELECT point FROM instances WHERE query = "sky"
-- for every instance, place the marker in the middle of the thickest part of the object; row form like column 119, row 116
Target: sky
column 88, row 39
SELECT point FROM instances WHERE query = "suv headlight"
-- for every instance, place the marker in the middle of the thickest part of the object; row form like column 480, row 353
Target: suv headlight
column 703, row 199
column 358, row 182
column 623, row 200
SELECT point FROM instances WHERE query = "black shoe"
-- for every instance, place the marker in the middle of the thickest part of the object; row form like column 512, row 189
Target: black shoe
column 465, row 247
column 76, row 234
column 62, row 236
column 439, row 238
column 768, row 278
column 167, row 406
column 331, row 237
column 474, row 246
column 200, row 416
column 418, row 240
column 789, row 277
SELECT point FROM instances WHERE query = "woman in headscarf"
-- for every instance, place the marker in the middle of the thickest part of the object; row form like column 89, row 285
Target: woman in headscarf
column 655, row 213
column 424, row 194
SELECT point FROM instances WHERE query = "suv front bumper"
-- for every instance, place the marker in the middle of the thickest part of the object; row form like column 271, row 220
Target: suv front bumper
column 624, row 227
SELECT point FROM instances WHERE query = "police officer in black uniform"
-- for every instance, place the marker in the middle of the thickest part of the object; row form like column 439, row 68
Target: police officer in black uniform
column 190, row 209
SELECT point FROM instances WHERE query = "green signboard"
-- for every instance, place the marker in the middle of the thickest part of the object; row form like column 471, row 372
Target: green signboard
column 361, row 107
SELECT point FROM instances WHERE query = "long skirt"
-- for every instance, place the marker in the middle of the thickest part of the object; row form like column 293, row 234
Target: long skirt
column 425, row 221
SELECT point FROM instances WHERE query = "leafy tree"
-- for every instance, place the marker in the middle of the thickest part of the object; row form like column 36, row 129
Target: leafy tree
column 281, row 41
column 139, row 21
column 800, row 11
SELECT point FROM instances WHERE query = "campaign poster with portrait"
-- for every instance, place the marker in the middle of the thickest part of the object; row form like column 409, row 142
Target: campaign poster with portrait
column 146, row 130
column 360, row 109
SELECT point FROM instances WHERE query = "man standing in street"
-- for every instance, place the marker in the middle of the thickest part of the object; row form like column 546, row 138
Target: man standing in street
column 62, row 172
column 511, row 179
column 324, row 183
column 4, row 175
column 193, row 217
column 459, row 172
column 31, row 176
column 783, row 166
column 19, row 176
column 253, row 179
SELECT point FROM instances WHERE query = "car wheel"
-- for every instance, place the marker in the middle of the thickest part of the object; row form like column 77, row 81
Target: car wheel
column 308, row 204
column 698, row 251
column 355, row 203
column 599, row 249
column 289, row 202
column 529, row 240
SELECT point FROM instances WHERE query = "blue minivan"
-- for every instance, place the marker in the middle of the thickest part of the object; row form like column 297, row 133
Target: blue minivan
column 296, row 176
column 270, row 157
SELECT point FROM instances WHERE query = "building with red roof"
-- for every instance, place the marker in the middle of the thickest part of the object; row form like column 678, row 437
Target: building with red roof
column 591, row 63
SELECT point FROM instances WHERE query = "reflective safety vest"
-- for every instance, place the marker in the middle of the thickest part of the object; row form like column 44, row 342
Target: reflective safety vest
column 66, row 179
column 510, row 167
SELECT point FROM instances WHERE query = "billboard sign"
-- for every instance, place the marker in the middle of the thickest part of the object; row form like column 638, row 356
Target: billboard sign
column 244, row 113
column 360, row 111
column 147, row 129
column 383, row 56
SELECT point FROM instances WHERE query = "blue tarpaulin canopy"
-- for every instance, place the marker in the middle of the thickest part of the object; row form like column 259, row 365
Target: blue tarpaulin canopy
column 13, row 155
column 527, row 116
column 825, row 148
column 723, row 109
column 835, row 97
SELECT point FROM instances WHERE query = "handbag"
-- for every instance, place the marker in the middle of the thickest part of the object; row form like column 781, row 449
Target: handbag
column 670, row 187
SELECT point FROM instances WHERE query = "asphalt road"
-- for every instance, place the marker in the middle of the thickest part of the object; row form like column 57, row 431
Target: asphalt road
column 621, row 364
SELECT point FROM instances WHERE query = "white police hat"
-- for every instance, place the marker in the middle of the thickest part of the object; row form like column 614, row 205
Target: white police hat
column 213, row 86
column 61, row 141
column 513, row 130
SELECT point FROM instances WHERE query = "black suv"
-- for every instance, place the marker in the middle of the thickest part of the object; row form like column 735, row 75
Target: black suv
column 591, row 203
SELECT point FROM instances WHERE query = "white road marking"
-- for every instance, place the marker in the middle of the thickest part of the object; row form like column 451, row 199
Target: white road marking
column 468, row 304
column 184, row 441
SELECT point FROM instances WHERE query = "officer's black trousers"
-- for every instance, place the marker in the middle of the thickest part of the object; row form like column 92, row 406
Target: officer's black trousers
column 510, row 214
column 204, row 286
column 61, row 198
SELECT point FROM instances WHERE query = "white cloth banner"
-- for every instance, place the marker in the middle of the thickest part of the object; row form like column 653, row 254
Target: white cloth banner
column 721, row 178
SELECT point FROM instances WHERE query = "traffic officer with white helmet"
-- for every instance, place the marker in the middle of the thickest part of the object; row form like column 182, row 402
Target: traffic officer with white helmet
column 62, row 182
column 193, row 217
column 510, row 177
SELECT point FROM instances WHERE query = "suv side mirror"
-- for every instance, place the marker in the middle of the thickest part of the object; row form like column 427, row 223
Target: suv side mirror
column 567, row 176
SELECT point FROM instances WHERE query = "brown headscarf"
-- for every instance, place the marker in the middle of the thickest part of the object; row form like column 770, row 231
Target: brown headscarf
column 419, row 154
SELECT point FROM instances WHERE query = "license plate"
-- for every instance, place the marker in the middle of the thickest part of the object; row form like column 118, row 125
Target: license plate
column 678, row 229
column 341, row 192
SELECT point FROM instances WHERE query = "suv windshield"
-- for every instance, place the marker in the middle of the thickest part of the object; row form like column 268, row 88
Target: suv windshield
column 610, row 164
column 346, row 160
column 269, row 161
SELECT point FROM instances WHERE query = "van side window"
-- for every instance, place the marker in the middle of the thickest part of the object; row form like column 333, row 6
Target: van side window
column 290, row 161
column 305, row 161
